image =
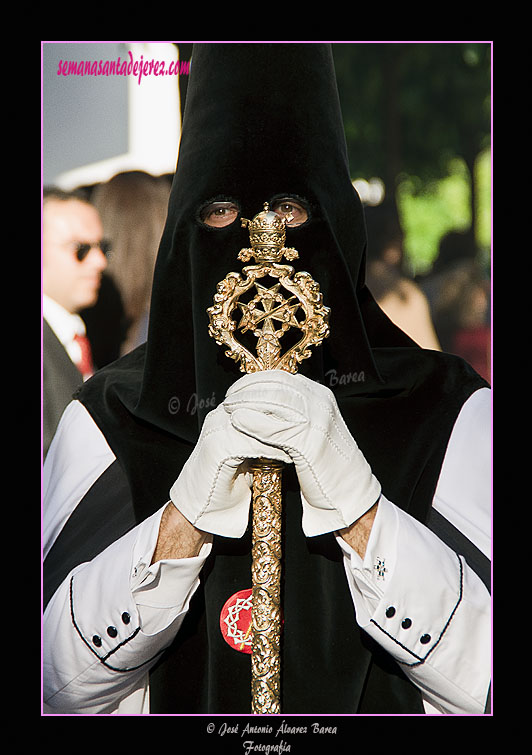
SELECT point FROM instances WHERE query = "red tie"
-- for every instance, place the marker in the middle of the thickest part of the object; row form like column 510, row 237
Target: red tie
column 85, row 365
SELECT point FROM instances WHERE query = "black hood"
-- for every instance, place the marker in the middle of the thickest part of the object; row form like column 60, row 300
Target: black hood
column 261, row 121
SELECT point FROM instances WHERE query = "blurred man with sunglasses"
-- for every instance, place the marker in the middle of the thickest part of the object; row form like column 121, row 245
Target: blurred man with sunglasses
column 73, row 260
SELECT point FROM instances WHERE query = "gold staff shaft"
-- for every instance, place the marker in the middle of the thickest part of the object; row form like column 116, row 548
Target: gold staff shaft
column 266, row 588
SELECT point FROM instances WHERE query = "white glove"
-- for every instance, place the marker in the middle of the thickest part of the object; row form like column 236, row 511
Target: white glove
column 213, row 490
column 301, row 417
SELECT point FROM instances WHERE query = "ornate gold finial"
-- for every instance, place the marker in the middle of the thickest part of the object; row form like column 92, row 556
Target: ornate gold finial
column 268, row 315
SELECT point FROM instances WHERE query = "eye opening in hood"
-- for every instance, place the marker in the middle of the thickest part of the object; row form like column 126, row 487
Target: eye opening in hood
column 218, row 212
column 222, row 211
column 298, row 206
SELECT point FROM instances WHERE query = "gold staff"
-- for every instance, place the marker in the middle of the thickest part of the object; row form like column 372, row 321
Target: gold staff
column 268, row 315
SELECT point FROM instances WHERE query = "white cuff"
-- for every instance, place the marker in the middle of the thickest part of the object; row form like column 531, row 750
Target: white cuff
column 372, row 574
column 110, row 619
column 162, row 590
column 421, row 602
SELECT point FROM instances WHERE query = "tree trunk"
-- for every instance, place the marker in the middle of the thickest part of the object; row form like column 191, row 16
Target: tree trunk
column 473, row 200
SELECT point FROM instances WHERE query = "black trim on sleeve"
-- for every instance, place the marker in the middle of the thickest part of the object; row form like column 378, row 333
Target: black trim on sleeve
column 459, row 543
column 420, row 660
column 103, row 659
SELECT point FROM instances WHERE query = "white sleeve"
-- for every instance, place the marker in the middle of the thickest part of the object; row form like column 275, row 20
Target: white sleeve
column 416, row 596
column 111, row 617
column 463, row 494
column 77, row 456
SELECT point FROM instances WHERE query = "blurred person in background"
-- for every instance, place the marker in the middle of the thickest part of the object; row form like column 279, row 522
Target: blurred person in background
column 73, row 260
column 457, row 289
column 132, row 206
column 395, row 292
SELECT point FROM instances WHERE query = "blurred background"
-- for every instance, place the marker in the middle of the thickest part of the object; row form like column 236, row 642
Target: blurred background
column 418, row 126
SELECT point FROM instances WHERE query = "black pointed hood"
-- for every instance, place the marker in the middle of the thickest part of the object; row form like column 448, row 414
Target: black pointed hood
column 262, row 121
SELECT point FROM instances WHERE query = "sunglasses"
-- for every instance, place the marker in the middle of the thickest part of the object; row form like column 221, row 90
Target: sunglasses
column 82, row 250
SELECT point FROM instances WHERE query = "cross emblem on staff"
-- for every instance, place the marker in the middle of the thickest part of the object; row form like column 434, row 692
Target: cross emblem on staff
column 268, row 346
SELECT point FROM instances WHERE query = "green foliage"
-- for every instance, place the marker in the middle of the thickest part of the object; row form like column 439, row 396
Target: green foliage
column 417, row 116
column 483, row 182
column 413, row 106
column 430, row 210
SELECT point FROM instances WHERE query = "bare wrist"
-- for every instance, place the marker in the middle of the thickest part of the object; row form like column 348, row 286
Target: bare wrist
column 178, row 538
column 358, row 533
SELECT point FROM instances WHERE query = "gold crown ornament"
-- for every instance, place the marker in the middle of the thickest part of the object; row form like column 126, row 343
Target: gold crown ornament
column 267, row 234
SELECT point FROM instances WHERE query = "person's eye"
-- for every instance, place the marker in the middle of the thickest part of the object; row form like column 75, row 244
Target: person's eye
column 219, row 214
column 285, row 207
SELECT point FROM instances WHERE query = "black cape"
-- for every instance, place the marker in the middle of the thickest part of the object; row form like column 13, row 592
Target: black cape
column 263, row 121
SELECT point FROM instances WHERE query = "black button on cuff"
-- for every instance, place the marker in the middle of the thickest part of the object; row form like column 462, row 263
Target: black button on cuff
column 97, row 640
column 406, row 623
column 390, row 612
column 112, row 631
column 424, row 639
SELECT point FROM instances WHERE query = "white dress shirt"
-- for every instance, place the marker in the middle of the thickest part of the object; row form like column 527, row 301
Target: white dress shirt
column 65, row 325
column 411, row 593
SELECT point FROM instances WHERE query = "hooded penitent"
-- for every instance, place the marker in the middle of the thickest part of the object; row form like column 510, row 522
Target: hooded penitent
column 262, row 121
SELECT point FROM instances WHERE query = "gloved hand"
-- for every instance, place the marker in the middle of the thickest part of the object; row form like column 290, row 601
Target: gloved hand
column 213, row 490
column 301, row 417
